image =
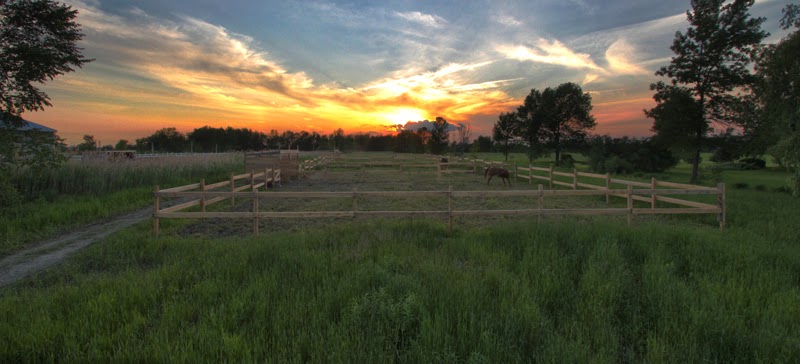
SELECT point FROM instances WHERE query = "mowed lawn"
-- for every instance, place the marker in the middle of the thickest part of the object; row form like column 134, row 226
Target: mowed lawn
column 567, row 290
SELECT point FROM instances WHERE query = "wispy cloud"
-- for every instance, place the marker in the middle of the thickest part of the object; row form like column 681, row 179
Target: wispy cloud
column 549, row 52
column 506, row 20
column 422, row 18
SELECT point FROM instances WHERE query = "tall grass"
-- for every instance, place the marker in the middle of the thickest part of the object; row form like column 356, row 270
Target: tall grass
column 99, row 177
column 408, row 292
column 80, row 192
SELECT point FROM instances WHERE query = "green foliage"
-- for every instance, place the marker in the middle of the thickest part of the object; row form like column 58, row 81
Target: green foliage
column 505, row 131
column 627, row 155
column 89, row 144
column 101, row 177
column 549, row 118
column 9, row 197
column 38, row 42
column 711, row 61
column 404, row 292
column 163, row 140
column 29, row 149
column 567, row 161
column 122, row 144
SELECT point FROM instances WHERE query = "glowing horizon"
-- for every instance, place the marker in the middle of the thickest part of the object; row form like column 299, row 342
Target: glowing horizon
column 263, row 67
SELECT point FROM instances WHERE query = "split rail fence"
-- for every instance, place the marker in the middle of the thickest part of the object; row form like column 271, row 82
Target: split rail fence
column 653, row 193
column 203, row 195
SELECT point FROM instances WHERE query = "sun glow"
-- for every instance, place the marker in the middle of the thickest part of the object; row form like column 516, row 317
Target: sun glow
column 403, row 115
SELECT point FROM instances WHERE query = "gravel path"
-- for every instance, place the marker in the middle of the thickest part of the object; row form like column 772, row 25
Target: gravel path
column 53, row 251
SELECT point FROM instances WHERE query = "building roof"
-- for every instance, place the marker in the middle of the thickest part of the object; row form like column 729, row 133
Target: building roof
column 31, row 126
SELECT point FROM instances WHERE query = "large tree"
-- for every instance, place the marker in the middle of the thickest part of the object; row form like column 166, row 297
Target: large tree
column 554, row 116
column 711, row 62
column 38, row 41
column 505, row 131
column 778, row 93
column 439, row 135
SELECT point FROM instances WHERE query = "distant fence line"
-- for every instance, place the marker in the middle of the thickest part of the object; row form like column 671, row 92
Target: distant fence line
column 652, row 192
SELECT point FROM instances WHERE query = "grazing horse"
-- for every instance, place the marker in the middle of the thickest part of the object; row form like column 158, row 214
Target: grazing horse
column 443, row 164
column 493, row 171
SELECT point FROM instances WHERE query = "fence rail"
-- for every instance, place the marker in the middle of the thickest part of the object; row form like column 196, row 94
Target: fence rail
column 650, row 193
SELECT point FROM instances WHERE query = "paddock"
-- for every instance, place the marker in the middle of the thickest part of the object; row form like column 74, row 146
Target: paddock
column 335, row 188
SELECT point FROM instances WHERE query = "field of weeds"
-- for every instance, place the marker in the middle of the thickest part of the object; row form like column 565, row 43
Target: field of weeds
column 571, row 289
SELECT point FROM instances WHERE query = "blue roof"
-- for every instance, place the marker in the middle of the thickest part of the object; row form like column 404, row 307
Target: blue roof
column 31, row 126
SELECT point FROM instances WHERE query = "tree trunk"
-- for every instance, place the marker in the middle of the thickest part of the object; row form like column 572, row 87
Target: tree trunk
column 558, row 150
column 696, row 161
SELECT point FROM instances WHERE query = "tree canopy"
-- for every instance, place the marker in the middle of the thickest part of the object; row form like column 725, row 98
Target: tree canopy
column 711, row 62
column 38, row 41
column 547, row 119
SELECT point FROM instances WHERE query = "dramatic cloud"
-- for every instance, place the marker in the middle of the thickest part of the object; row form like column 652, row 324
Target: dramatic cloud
column 325, row 64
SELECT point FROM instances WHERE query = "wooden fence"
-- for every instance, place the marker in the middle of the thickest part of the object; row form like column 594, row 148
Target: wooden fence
column 649, row 193
column 198, row 193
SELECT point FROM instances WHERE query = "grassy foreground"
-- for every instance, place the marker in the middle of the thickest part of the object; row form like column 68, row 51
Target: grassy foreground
column 405, row 291
column 572, row 289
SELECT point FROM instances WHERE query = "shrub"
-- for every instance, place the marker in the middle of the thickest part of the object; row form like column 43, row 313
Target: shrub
column 752, row 163
column 761, row 188
column 625, row 155
column 741, row 186
column 567, row 161
column 9, row 196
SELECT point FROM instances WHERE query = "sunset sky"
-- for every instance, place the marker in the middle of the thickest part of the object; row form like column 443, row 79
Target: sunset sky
column 358, row 65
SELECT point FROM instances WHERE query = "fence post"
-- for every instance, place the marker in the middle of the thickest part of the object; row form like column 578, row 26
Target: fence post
column 608, row 187
column 540, row 203
column 574, row 178
column 233, row 189
column 355, row 203
column 255, row 207
column 654, row 198
column 156, row 207
column 203, row 196
column 630, row 205
column 551, row 176
column 721, row 204
column 450, row 210
column 252, row 181
column 530, row 174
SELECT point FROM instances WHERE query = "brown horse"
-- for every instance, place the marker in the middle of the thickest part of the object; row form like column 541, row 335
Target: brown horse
column 493, row 171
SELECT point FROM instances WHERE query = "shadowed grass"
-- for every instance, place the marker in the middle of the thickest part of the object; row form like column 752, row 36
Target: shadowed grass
column 387, row 291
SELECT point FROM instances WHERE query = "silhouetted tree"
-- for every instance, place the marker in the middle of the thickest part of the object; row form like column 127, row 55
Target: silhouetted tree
column 711, row 61
column 163, row 140
column 122, row 144
column 505, row 130
column 778, row 93
column 89, row 144
column 439, row 136
column 554, row 116
column 38, row 42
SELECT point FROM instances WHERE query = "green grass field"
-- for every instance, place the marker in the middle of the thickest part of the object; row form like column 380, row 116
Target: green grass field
column 569, row 290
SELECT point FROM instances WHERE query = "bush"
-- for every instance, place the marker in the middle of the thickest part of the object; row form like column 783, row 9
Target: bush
column 752, row 163
column 626, row 155
column 741, row 186
column 567, row 161
column 9, row 196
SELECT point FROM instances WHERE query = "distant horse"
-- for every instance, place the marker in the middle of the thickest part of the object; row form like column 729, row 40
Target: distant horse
column 493, row 171
column 443, row 164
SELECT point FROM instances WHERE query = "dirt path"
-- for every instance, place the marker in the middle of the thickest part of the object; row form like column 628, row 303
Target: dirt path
column 53, row 251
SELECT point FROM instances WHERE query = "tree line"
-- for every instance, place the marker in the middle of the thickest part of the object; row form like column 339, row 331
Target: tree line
column 435, row 139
